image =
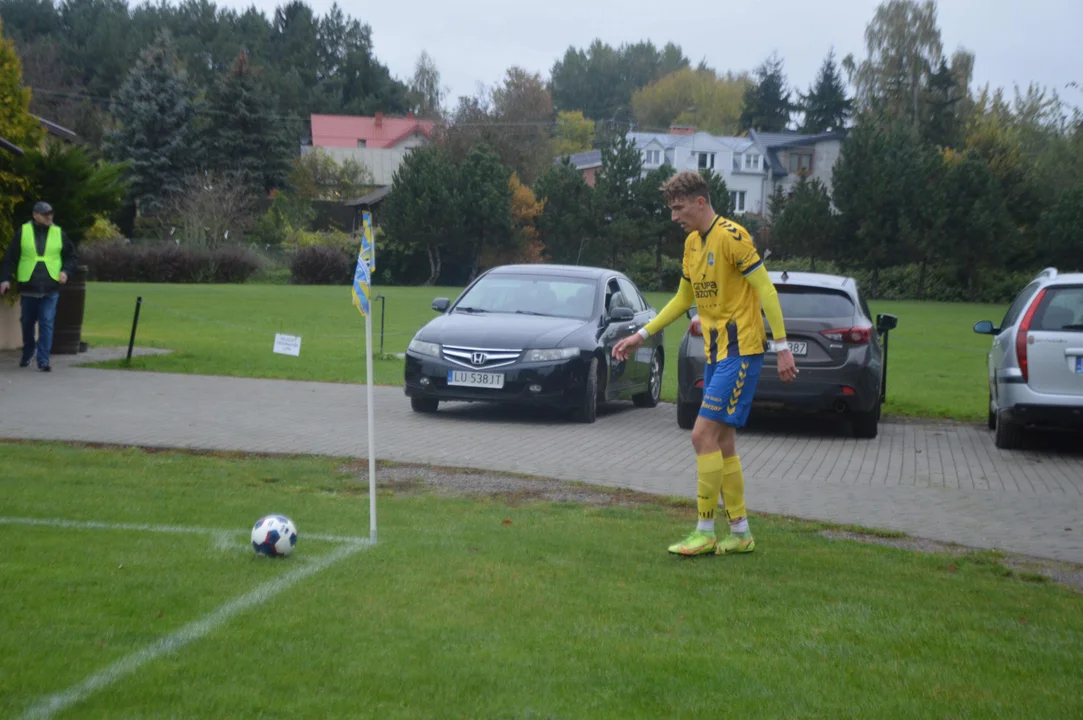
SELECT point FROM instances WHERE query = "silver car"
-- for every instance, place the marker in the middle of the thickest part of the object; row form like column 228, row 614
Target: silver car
column 841, row 354
column 1036, row 362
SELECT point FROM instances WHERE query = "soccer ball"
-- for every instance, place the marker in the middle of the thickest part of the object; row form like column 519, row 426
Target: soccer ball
column 274, row 535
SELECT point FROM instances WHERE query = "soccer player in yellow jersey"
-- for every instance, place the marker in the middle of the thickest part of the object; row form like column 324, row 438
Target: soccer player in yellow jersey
column 725, row 277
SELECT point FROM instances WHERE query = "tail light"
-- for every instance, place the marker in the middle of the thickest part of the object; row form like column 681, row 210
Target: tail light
column 855, row 335
column 1024, row 330
column 695, row 327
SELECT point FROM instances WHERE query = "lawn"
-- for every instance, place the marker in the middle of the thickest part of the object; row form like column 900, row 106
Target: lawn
column 937, row 364
column 484, row 606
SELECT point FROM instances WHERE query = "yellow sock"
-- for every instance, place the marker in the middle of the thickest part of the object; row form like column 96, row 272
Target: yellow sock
column 709, row 482
column 733, row 488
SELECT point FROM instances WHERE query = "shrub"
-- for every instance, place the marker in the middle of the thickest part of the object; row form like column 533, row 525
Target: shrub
column 164, row 262
column 235, row 263
column 100, row 233
column 903, row 282
column 643, row 270
column 322, row 265
column 299, row 239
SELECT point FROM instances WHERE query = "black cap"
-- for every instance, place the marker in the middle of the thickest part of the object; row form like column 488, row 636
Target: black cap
column 43, row 208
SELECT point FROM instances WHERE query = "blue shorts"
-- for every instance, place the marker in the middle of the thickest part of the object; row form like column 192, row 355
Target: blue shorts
column 728, row 387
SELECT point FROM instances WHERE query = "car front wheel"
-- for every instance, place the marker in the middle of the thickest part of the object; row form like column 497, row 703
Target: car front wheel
column 587, row 412
column 424, row 405
column 650, row 398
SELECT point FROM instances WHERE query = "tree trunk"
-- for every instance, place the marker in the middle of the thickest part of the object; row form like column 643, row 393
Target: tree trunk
column 475, row 266
column 970, row 285
column 875, row 283
column 434, row 264
column 921, row 278
column 475, row 262
column 813, row 265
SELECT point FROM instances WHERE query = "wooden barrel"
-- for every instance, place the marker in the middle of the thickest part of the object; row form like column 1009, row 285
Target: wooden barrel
column 68, row 328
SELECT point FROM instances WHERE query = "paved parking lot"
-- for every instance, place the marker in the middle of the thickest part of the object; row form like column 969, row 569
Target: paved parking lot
column 935, row 480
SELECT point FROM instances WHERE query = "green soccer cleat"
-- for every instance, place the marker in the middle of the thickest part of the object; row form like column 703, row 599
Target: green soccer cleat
column 698, row 543
column 732, row 544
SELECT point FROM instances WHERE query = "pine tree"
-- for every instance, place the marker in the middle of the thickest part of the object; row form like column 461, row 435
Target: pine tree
column 422, row 212
column 565, row 224
column 244, row 135
column 619, row 212
column 766, row 105
column 484, row 204
column 805, row 225
column 826, row 106
column 156, row 136
column 941, row 98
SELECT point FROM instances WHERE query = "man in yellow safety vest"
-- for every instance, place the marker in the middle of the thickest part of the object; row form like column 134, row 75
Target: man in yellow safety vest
column 41, row 257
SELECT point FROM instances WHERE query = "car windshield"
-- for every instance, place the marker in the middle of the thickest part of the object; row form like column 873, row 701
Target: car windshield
column 812, row 302
column 531, row 295
column 1061, row 310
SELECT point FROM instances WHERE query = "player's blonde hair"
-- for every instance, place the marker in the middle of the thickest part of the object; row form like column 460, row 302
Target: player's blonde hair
column 687, row 184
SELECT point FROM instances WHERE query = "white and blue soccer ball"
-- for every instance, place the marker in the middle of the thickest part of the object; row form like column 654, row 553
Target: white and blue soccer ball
column 274, row 535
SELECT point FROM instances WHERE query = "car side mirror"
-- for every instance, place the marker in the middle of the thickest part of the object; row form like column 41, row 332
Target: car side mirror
column 985, row 328
column 621, row 314
column 886, row 322
column 441, row 304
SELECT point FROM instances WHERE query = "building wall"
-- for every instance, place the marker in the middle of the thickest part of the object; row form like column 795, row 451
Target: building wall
column 383, row 162
column 824, row 156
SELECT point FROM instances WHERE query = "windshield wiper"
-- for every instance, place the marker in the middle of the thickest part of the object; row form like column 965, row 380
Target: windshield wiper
column 531, row 312
column 470, row 310
column 1073, row 327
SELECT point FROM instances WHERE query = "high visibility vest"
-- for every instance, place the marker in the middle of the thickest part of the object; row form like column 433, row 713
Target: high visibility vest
column 29, row 258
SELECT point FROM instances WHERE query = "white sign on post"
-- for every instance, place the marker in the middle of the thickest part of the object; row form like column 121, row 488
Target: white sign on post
column 287, row 344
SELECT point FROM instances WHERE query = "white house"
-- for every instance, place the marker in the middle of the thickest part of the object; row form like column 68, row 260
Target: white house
column 752, row 166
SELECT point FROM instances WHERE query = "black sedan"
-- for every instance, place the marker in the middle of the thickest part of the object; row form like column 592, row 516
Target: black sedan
column 835, row 344
column 536, row 335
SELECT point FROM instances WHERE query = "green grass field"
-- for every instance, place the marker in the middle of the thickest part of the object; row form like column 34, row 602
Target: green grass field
column 477, row 606
column 937, row 364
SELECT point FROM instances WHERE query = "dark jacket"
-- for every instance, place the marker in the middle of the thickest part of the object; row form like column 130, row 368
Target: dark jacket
column 40, row 283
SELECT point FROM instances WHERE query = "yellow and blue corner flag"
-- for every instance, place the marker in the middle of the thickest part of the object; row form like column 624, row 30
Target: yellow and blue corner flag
column 366, row 265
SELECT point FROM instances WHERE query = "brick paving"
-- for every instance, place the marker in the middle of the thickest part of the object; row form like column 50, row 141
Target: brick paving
column 940, row 481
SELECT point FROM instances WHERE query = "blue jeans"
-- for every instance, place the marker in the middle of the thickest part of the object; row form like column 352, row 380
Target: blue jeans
column 41, row 311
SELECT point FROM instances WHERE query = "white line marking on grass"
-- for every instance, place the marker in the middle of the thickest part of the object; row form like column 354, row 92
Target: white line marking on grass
column 186, row 529
column 53, row 704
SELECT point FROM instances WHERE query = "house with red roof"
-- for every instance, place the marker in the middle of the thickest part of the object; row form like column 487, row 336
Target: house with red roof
column 377, row 132
column 379, row 142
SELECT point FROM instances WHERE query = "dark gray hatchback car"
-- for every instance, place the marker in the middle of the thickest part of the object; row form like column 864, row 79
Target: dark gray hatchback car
column 835, row 344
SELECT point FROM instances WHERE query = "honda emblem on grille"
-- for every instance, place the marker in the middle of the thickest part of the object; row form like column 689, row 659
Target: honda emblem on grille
column 479, row 358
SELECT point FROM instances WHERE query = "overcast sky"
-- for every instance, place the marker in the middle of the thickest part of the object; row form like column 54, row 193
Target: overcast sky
column 475, row 41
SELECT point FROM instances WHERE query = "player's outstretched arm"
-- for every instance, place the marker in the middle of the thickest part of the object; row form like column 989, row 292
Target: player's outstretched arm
column 674, row 309
column 761, row 282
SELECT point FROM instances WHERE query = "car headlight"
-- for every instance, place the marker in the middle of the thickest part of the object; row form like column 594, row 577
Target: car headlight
column 550, row 355
column 424, row 348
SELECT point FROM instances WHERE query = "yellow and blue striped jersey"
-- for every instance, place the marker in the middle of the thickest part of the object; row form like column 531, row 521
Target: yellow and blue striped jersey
column 717, row 265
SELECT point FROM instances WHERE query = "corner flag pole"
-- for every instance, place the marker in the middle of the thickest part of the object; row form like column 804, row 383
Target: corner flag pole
column 362, row 284
column 372, row 442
